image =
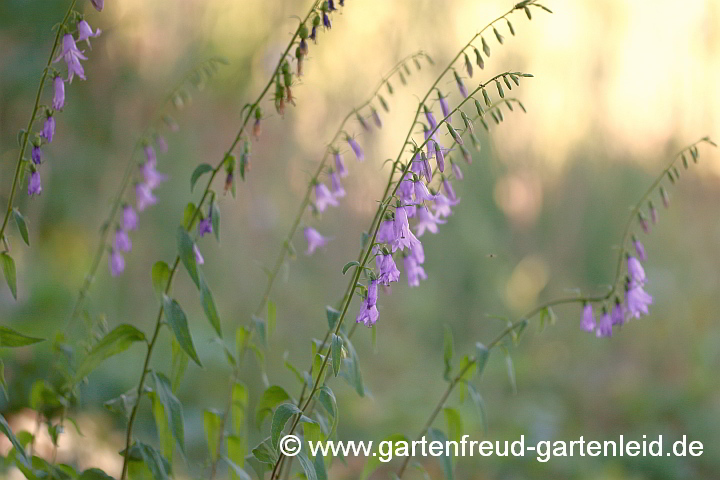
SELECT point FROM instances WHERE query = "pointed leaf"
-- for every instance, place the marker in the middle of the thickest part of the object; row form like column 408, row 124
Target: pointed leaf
column 307, row 466
column 215, row 218
column 239, row 407
column 11, row 338
column 264, row 452
column 173, row 407
column 236, row 471
column 157, row 464
column 199, row 171
column 19, row 450
column 21, row 225
column 179, row 364
column 454, row 421
column 209, row 307
column 117, row 341
column 185, row 247
column 8, row 267
column 213, row 423
column 271, row 397
column 336, row 349
column 332, row 317
column 160, row 276
column 177, row 320
column 326, row 397
column 237, row 449
column 481, row 356
column 280, row 417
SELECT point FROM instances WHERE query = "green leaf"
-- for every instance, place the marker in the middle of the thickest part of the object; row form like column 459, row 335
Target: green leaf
column 21, row 225
column 307, row 466
column 160, row 277
column 332, row 317
column 264, row 452
column 326, row 397
column 199, row 171
column 258, row 467
column 11, row 338
column 239, row 407
column 447, row 352
column 271, row 317
column 261, row 328
column 178, row 323
column 123, row 404
column 94, row 474
column 179, row 364
column 479, row 404
column 454, row 421
column 236, row 471
column 348, row 265
column 173, row 407
column 158, row 465
column 161, row 424
column 280, row 417
column 187, row 255
column 8, row 266
column 19, row 450
column 510, row 371
column 445, row 461
column 336, row 348
column 117, row 341
column 213, row 423
column 373, row 461
column 215, row 218
column 481, row 356
column 209, row 307
column 237, row 449
column 3, row 382
column 271, row 398
column 319, row 465
column 352, row 373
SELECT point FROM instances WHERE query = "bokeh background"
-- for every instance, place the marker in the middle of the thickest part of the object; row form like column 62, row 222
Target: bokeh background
column 619, row 87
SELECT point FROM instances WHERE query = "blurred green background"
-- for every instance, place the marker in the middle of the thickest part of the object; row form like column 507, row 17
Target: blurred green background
column 620, row 86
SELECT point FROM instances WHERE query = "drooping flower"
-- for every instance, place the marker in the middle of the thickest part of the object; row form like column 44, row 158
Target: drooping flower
column 359, row 154
column 161, row 143
column 414, row 271
column 122, row 240
column 368, row 314
column 337, row 188
column 387, row 270
column 72, row 57
column 618, row 313
column 422, row 193
column 323, row 197
column 587, row 322
column 665, row 197
column 326, row 21
column 98, row 4
column 116, row 263
column 449, row 190
column 636, row 271
column 36, row 154
column 205, row 226
column 653, row 212
column 58, row 101
column 457, row 172
column 638, row 300
column 425, row 165
column 442, row 205
column 643, row 222
column 314, row 240
column 48, row 130
column 152, row 177
column 639, row 249
column 150, row 154
column 426, row 221
column 405, row 191
column 340, row 167
column 34, row 184
column 376, row 118
column 604, row 327
column 404, row 238
column 198, row 256
column 444, row 106
column 130, row 218
column 144, row 197
column 439, row 157
column 461, row 86
column 386, row 232
column 417, row 251
column 85, row 32
column 430, row 119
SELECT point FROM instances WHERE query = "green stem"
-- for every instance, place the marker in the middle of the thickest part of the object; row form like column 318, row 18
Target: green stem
column 33, row 117
column 158, row 322
column 560, row 301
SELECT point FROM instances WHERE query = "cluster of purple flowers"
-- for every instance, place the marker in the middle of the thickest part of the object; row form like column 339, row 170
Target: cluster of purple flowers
column 144, row 198
column 72, row 57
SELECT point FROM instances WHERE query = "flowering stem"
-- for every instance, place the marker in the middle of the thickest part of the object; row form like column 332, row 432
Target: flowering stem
column 382, row 209
column 560, row 301
column 117, row 200
column 33, row 117
column 158, row 321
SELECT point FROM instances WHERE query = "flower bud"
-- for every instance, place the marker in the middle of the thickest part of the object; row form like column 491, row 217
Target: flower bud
column 643, row 222
column 665, row 197
column 479, row 59
column 468, row 65
column 376, row 117
column 458, row 139
column 653, row 212
column 299, row 56
column 461, row 85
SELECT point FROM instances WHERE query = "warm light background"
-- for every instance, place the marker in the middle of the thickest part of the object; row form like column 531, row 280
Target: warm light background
column 619, row 87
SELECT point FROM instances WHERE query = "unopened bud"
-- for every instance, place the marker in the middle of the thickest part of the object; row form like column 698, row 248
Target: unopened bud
column 665, row 197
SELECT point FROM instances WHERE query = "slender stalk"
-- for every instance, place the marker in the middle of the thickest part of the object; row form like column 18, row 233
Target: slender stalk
column 158, row 321
column 291, row 233
column 560, row 301
column 33, row 117
column 382, row 208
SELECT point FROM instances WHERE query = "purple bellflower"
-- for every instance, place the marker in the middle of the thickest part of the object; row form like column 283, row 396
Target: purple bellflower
column 144, row 197
column 604, row 328
column 638, row 300
column 431, row 121
column 152, row 177
column 618, row 313
column 368, row 314
column 34, row 184
column 337, row 188
column 457, row 172
column 205, row 226
column 314, row 240
column 639, row 249
column 122, row 240
column 150, row 155
column 386, row 232
column 440, row 157
column 58, row 101
column 340, row 167
column 422, row 193
column 356, row 148
column 98, row 4
column 387, row 270
column 161, row 143
column 587, row 322
column 36, row 154
column 130, row 218
column 323, row 197
column 426, row 221
column 636, row 271
column 85, row 32
column 48, row 130
column 405, row 191
column 449, row 190
column 72, row 57
column 414, row 271
column 444, row 106
column 116, row 263
column 442, row 205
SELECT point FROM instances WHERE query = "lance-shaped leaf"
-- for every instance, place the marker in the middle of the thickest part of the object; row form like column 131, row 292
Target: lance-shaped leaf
column 336, row 350
column 239, row 407
column 158, row 465
column 280, row 417
column 12, row 338
column 213, row 423
column 19, row 450
column 271, row 397
column 117, row 341
column 199, row 171
column 445, row 460
column 326, row 397
column 209, row 307
column 185, row 246
column 177, row 320
column 22, row 226
column 173, row 407
column 160, row 277
column 8, row 267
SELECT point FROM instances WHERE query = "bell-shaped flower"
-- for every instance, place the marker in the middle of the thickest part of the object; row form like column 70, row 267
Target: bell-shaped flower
column 129, row 219
column 314, row 240
column 85, row 32
column 426, row 221
column 116, row 262
column 323, row 197
column 122, row 240
column 72, row 57
column 587, row 321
